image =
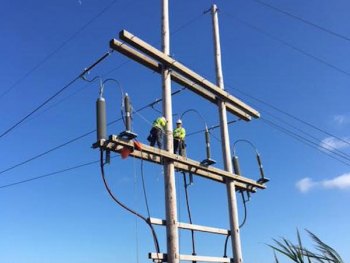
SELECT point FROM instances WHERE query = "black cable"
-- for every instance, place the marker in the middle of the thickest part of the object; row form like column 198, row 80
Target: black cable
column 189, row 214
column 302, row 20
column 318, row 59
column 54, row 95
column 240, row 226
column 155, row 239
column 63, row 44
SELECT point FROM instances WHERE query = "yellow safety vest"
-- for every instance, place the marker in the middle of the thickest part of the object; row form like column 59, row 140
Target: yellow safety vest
column 179, row 133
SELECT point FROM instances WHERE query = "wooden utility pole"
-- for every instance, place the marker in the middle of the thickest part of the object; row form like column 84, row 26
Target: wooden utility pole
column 225, row 139
column 169, row 176
column 159, row 61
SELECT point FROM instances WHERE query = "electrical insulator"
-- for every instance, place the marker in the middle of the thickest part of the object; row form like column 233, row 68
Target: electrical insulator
column 207, row 143
column 260, row 166
column 127, row 108
column 236, row 167
column 101, row 119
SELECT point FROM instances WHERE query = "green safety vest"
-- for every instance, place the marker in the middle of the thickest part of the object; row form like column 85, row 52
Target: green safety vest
column 179, row 133
column 159, row 123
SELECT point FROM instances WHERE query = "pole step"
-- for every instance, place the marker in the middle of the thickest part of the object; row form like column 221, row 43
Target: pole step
column 161, row 257
column 214, row 230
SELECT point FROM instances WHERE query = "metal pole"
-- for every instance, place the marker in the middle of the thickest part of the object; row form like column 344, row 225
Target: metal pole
column 169, row 176
column 230, row 185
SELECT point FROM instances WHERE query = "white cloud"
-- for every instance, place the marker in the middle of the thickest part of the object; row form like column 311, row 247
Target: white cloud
column 332, row 143
column 341, row 119
column 340, row 182
column 305, row 184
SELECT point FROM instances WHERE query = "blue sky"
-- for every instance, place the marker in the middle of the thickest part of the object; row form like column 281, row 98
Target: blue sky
column 69, row 217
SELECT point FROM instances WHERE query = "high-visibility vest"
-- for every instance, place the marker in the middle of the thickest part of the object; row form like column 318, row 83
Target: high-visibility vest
column 179, row 133
column 159, row 123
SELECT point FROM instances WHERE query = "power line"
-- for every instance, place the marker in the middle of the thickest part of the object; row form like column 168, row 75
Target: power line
column 292, row 116
column 55, row 51
column 54, row 95
column 302, row 20
column 50, row 174
column 299, row 50
column 304, row 140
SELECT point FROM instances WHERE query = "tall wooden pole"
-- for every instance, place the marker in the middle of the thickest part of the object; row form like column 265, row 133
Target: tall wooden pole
column 169, row 176
column 230, row 185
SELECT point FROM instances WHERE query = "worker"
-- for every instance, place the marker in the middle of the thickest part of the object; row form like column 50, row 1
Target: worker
column 156, row 133
column 179, row 138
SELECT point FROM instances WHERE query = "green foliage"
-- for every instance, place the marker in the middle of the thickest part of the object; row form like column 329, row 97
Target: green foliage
column 298, row 253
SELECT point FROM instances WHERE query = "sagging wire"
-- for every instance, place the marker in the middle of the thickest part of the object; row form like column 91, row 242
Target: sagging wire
column 155, row 238
column 189, row 213
column 243, row 222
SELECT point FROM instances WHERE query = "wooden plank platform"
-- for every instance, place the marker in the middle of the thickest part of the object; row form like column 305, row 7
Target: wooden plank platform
column 214, row 230
column 152, row 154
column 161, row 257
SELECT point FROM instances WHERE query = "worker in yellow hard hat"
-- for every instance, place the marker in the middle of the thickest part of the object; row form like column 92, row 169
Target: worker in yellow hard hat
column 156, row 133
column 179, row 135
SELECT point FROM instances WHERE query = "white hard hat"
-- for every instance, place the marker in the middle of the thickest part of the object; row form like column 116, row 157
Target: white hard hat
column 179, row 121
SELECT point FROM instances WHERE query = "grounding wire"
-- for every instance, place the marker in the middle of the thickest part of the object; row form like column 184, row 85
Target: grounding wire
column 189, row 213
column 155, row 239
column 302, row 20
column 55, row 94
column 63, row 44
column 241, row 225
column 285, row 43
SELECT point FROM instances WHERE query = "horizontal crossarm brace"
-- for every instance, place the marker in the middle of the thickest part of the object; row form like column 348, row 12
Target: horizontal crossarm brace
column 214, row 230
column 155, row 155
column 176, row 77
column 163, row 258
column 183, row 70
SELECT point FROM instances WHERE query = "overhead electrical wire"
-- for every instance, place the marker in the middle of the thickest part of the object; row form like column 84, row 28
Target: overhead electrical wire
column 305, row 140
column 55, row 51
column 285, row 43
column 307, row 22
column 49, row 174
column 54, row 95
column 291, row 116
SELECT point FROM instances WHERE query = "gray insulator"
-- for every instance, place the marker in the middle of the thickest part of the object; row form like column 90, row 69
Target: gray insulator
column 127, row 113
column 260, row 166
column 207, row 143
column 101, row 119
column 236, row 167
